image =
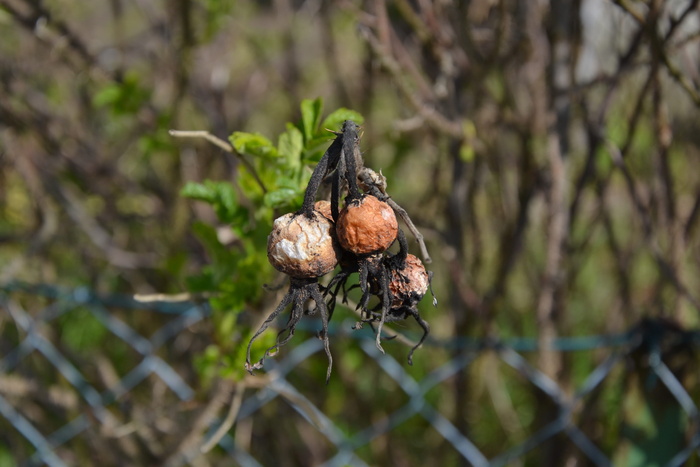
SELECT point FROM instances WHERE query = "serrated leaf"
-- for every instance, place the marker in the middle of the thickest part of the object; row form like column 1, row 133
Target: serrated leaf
column 335, row 120
column 253, row 144
column 311, row 116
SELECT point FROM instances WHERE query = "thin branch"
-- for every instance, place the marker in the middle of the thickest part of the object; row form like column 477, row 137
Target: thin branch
column 234, row 408
column 216, row 141
column 434, row 118
column 199, row 424
column 204, row 135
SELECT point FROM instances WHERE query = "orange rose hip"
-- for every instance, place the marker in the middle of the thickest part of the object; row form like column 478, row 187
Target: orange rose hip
column 366, row 226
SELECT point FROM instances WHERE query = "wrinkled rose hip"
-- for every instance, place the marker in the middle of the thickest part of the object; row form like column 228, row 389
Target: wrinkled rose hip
column 410, row 284
column 324, row 207
column 367, row 226
column 302, row 247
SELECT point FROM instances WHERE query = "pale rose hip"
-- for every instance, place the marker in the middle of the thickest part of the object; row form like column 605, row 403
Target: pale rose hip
column 302, row 247
column 367, row 226
column 408, row 285
column 324, row 207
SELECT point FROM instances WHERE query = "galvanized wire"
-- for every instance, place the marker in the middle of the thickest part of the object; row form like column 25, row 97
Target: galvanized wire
column 181, row 316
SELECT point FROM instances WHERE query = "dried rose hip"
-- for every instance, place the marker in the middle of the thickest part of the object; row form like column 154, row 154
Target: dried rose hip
column 301, row 246
column 307, row 245
column 409, row 284
column 324, row 207
column 366, row 226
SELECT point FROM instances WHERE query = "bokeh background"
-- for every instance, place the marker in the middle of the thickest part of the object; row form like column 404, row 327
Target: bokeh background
column 547, row 150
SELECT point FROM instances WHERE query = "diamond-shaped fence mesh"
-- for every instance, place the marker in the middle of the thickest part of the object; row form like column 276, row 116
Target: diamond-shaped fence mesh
column 88, row 379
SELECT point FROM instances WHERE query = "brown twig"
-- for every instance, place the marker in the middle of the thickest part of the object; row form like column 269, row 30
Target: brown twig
column 216, row 141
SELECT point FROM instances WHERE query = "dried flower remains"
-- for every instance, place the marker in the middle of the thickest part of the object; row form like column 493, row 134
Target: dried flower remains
column 311, row 242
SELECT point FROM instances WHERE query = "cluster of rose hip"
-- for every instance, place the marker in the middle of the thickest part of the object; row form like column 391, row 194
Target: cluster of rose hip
column 311, row 242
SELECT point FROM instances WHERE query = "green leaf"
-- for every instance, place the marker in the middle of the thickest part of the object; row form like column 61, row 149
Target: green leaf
column 107, row 96
column 221, row 196
column 280, row 198
column 311, row 116
column 290, row 145
column 81, row 330
column 198, row 191
column 202, row 282
column 225, row 204
column 207, row 235
column 123, row 98
column 335, row 120
column 253, row 144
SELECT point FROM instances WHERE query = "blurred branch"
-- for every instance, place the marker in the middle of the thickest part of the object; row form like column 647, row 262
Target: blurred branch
column 38, row 17
column 629, row 9
column 234, row 407
column 185, row 447
column 413, row 19
column 659, row 43
column 665, row 268
column 432, row 117
column 99, row 236
column 223, row 145
column 204, row 135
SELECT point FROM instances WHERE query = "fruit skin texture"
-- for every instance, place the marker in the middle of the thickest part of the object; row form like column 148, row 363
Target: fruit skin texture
column 324, row 207
column 367, row 226
column 408, row 285
column 302, row 247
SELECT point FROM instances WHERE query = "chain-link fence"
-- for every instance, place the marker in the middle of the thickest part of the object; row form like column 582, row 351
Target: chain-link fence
column 62, row 400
